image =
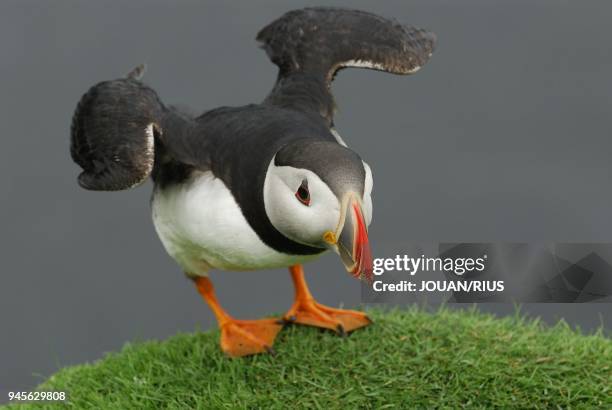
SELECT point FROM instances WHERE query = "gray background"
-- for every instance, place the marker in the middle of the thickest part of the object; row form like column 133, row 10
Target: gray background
column 504, row 136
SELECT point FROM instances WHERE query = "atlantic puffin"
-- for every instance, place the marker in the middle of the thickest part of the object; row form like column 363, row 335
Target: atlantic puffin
column 259, row 186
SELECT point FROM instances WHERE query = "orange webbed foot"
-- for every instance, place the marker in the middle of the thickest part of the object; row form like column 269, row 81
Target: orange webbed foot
column 307, row 311
column 312, row 313
column 239, row 337
column 247, row 337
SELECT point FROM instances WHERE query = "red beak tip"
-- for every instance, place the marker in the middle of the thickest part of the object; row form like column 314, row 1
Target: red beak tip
column 363, row 254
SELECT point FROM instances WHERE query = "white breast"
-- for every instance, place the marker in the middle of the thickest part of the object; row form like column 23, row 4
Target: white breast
column 202, row 228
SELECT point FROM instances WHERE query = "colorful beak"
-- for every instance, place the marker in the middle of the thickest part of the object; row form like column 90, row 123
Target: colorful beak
column 353, row 244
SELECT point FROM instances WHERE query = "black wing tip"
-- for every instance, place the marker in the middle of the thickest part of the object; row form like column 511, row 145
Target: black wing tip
column 89, row 182
column 93, row 182
column 108, row 182
column 428, row 38
column 425, row 36
column 423, row 44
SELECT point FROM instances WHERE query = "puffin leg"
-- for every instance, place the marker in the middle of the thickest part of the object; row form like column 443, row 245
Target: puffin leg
column 239, row 337
column 307, row 311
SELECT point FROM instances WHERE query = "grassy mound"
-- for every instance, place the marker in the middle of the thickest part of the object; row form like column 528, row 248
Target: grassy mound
column 407, row 359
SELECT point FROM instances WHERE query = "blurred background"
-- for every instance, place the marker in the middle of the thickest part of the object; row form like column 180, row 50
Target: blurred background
column 504, row 136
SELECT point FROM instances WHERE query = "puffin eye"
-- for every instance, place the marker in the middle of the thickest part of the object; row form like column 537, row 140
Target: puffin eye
column 302, row 194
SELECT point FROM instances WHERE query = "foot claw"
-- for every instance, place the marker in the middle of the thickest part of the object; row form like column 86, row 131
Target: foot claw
column 289, row 319
column 340, row 330
column 270, row 351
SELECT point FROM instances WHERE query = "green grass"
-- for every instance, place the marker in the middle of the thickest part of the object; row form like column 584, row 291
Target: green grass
column 407, row 359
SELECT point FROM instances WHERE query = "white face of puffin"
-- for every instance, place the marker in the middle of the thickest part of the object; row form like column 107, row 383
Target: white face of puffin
column 304, row 209
column 300, row 205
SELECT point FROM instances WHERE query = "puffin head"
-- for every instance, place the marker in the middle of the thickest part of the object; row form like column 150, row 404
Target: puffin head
column 318, row 193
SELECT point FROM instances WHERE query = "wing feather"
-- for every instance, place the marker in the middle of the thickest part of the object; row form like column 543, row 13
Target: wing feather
column 310, row 45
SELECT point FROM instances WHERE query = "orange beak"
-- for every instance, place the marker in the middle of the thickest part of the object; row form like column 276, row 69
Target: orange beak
column 353, row 244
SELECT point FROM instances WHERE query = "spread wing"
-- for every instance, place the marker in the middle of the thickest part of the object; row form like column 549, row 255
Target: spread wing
column 121, row 130
column 309, row 46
